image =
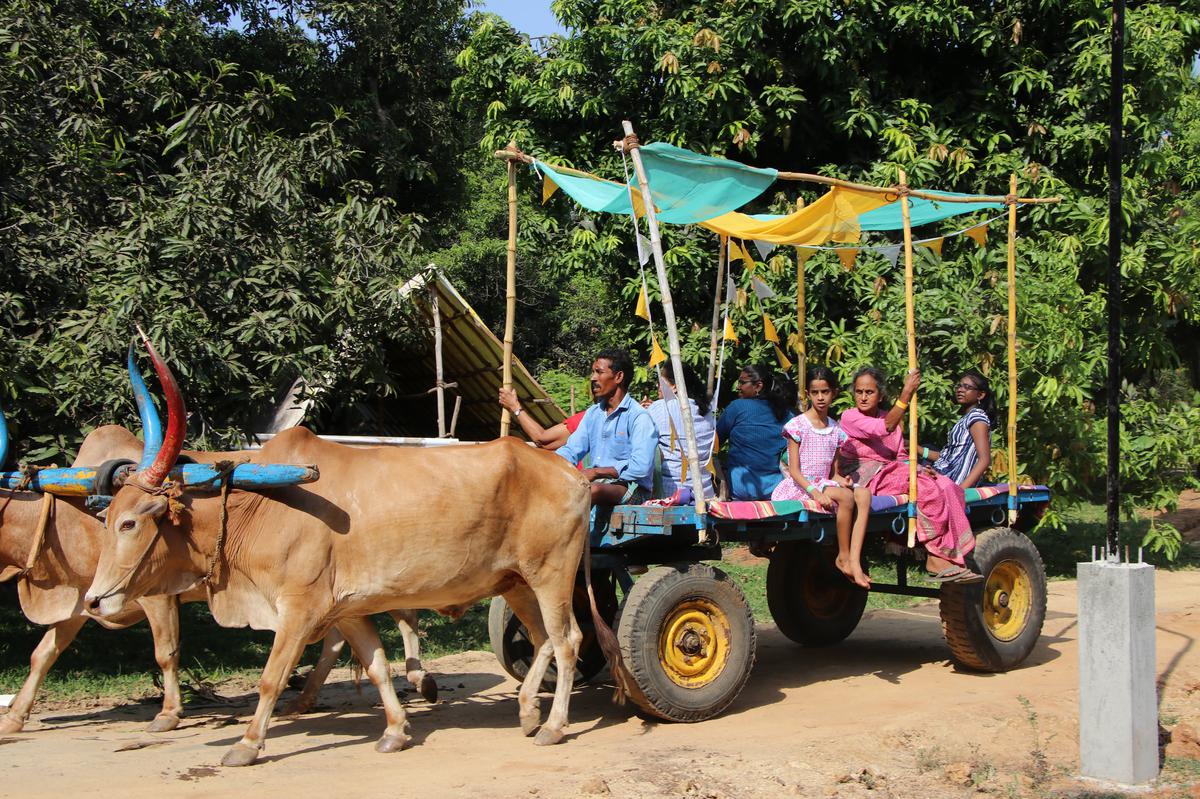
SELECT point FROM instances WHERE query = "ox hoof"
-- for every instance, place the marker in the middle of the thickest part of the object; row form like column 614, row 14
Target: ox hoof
column 163, row 722
column 428, row 688
column 548, row 737
column 530, row 723
column 240, row 755
column 297, row 707
column 392, row 743
column 9, row 725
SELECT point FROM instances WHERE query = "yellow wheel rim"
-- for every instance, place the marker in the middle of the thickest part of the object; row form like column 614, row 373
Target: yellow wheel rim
column 1007, row 599
column 693, row 647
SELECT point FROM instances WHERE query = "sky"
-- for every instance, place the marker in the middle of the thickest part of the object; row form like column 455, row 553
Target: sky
column 528, row 16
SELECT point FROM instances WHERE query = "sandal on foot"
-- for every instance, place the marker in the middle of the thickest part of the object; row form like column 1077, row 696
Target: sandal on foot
column 950, row 574
column 967, row 577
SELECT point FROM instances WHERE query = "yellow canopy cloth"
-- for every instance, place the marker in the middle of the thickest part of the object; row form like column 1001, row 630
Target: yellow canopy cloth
column 834, row 217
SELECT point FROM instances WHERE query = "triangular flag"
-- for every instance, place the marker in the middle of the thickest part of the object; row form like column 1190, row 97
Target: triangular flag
column 769, row 332
column 730, row 288
column 935, row 245
column 643, row 304
column 803, row 254
column 784, row 363
column 764, row 248
column 978, row 234
column 741, row 298
column 643, row 248
column 730, row 334
column 683, row 469
column 847, row 255
column 657, row 355
column 548, row 188
column 761, row 289
column 737, row 251
column 892, row 253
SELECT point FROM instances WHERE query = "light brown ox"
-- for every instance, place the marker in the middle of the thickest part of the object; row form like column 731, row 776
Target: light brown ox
column 51, row 593
column 382, row 529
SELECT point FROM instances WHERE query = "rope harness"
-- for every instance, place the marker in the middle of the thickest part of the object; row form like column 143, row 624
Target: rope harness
column 27, row 474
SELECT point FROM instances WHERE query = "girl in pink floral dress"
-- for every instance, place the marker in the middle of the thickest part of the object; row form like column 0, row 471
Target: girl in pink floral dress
column 813, row 439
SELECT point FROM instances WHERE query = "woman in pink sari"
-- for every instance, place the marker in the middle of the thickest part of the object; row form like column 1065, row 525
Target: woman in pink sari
column 873, row 454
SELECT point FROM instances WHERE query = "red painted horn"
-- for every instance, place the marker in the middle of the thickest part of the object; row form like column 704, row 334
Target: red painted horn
column 173, row 440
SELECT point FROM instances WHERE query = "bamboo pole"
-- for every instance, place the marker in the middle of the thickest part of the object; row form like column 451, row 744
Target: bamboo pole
column 801, row 341
column 718, row 290
column 439, row 385
column 1012, row 353
column 629, row 143
column 510, row 287
column 910, row 328
column 806, row 177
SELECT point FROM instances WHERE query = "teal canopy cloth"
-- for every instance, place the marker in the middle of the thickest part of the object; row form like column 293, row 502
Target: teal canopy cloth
column 920, row 211
column 687, row 187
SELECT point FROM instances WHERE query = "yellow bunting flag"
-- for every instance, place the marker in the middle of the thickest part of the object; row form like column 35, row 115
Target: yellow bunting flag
column 730, row 333
column 548, row 189
column 847, row 255
column 935, row 245
column 803, row 254
column 978, row 234
column 643, row 304
column 769, row 330
column 738, row 251
column 683, row 469
column 657, row 355
column 784, row 363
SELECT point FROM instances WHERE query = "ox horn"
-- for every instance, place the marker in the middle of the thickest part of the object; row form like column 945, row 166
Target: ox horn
column 164, row 459
column 152, row 436
column 3, row 438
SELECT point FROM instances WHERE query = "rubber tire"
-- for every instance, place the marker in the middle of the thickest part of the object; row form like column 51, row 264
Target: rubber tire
column 514, row 650
column 105, row 473
column 800, row 570
column 971, row 643
column 648, row 606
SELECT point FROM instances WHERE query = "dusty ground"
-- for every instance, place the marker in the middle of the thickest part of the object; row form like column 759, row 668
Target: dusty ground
column 883, row 714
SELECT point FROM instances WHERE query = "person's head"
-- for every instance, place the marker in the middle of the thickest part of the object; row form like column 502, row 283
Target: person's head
column 696, row 390
column 753, row 381
column 612, row 371
column 972, row 389
column 822, row 387
column 870, row 389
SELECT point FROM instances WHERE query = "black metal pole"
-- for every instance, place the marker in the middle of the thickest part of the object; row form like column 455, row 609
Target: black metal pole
column 1115, row 225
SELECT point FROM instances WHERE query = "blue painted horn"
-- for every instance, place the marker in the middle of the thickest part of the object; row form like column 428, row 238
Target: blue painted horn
column 3, row 438
column 152, row 437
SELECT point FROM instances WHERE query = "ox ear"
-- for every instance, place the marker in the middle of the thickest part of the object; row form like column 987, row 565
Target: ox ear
column 9, row 572
column 152, row 506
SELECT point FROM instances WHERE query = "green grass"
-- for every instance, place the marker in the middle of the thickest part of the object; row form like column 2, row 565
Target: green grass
column 102, row 663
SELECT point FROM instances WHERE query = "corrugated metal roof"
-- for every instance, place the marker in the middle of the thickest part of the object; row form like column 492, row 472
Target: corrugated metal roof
column 472, row 357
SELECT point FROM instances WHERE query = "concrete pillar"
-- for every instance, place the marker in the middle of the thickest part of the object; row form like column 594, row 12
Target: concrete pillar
column 1118, row 704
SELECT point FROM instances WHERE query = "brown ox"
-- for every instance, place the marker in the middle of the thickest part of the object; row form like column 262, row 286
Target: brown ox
column 51, row 592
column 381, row 529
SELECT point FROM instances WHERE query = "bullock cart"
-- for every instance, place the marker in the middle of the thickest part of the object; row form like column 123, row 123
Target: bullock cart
column 685, row 628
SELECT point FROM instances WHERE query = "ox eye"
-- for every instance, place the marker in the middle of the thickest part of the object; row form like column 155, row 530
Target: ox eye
column 127, row 525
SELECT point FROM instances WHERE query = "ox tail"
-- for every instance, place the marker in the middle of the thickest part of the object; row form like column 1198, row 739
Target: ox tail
column 605, row 636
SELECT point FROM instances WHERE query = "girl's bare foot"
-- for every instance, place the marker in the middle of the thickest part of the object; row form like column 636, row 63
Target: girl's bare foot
column 860, row 577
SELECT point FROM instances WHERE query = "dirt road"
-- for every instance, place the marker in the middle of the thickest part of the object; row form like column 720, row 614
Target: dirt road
column 883, row 714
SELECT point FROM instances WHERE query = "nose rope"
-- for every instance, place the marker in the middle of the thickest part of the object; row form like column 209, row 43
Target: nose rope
column 170, row 491
column 123, row 581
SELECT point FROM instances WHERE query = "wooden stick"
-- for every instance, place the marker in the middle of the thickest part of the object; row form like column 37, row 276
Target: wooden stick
column 572, row 399
column 910, row 328
column 716, row 317
column 806, row 177
column 510, row 286
column 689, row 429
column 437, row 360
column 801, row 341
column 458, row 400
column 1012, row 354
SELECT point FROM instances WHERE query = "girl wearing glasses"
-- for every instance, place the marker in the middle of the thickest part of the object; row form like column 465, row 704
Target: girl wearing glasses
column 968, row 451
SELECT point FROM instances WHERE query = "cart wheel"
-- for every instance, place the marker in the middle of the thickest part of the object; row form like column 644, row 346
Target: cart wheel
column 687, row 636
column 811, row 601
column 994, row 625
column 510, row 641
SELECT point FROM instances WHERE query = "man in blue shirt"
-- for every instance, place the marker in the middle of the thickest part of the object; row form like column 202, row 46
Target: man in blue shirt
column 618, row 433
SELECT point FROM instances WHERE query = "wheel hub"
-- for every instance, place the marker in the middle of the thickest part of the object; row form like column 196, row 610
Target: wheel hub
column 1007, row 599
column 694, row 643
